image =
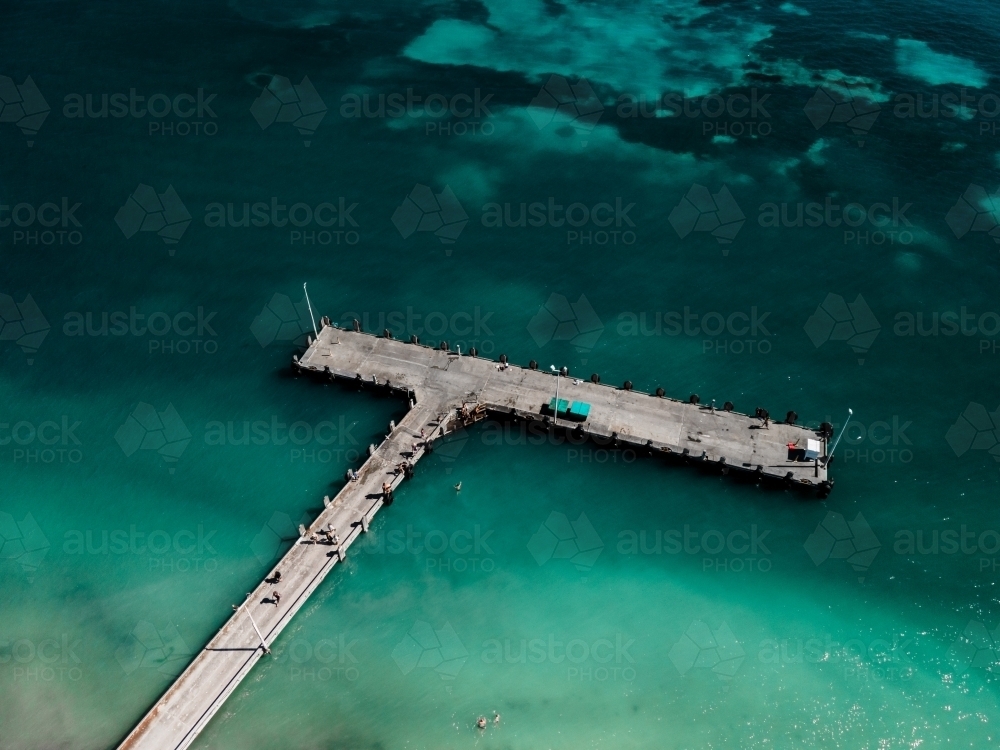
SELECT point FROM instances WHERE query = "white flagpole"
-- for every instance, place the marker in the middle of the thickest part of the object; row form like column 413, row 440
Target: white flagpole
column 829, row 456
column 309, row 305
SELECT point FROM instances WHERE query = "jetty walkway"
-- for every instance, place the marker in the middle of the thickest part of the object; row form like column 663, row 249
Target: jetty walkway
column 447, row 390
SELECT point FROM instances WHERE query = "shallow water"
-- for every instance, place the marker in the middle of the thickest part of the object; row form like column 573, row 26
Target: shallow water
column 703, row 612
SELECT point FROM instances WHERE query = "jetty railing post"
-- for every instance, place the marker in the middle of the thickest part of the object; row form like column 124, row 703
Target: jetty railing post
column 309, row 305
column 829, row 456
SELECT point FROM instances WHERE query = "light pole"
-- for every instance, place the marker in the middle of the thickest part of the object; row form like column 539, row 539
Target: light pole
column 829, row 456
column 555, row 411
column 309, row 305
column 236, row 608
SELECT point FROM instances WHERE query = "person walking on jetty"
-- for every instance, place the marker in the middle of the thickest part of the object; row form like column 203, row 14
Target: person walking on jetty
column 276, row 597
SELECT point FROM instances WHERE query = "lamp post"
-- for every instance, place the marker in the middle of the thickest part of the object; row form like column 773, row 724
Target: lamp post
column 829, row 457
column 309, row 305
column 236, row 608
column 555, row 411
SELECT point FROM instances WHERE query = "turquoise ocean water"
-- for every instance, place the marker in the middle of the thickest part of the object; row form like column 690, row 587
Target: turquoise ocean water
column 155, row 465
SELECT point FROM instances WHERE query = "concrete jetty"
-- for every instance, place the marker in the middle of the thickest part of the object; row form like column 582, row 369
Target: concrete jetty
column 447, row 390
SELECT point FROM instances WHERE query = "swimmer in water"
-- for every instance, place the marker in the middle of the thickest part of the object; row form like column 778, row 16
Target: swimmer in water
column 481, row 722
column 496, row 718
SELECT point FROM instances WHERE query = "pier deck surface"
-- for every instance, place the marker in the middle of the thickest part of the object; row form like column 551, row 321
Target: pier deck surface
column 637, row 418
column 442, row 382
column 199, row 692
